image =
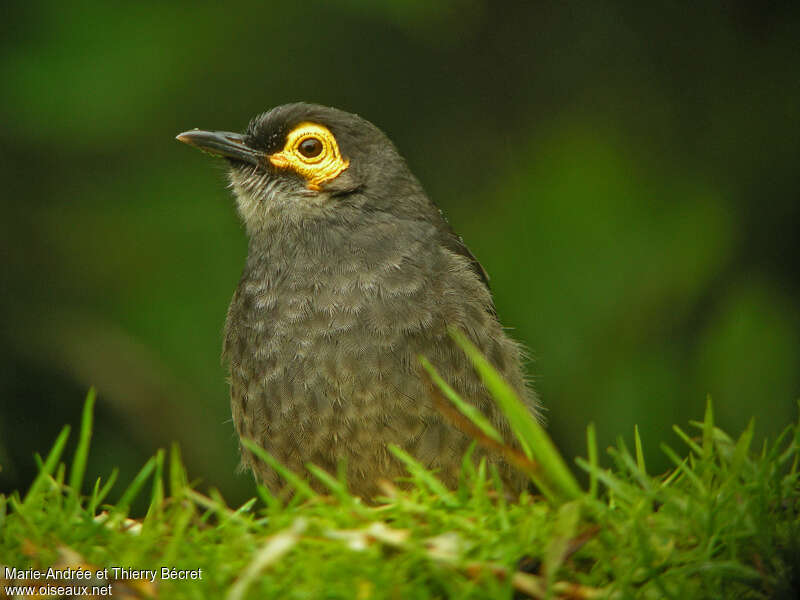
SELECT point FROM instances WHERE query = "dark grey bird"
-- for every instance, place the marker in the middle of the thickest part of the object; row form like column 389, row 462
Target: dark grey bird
column 351, row 274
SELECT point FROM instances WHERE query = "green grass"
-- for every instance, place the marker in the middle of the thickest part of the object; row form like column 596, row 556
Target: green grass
column 722, row 524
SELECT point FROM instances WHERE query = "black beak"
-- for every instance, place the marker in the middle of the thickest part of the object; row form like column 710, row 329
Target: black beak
column 221, row 143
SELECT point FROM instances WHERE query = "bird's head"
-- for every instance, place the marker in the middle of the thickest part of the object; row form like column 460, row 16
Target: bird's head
column 301, row 162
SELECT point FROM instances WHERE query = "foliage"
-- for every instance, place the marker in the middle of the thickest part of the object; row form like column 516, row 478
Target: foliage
column 724, row 522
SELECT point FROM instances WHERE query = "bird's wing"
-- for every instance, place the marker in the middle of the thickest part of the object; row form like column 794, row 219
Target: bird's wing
column 453, row 242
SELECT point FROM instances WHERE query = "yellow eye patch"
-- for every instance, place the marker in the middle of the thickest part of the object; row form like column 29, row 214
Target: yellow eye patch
column 312, row 152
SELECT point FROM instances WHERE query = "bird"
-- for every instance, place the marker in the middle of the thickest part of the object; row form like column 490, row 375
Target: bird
column 352, row 273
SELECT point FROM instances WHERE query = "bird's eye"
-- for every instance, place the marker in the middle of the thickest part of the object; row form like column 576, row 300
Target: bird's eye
column 312, row 152
column 310, row 147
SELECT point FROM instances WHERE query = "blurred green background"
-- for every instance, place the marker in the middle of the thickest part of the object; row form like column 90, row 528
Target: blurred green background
column 627, row 173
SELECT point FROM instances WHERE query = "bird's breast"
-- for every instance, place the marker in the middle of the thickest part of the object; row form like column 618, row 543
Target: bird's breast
column 344, row 323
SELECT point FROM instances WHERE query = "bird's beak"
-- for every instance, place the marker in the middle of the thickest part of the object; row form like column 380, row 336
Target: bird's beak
column 221, row 143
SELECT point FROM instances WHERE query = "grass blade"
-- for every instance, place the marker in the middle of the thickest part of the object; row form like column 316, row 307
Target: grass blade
column 423, row 475
column 683, row 467
column 591, row 449
column 129, row 495
column 528, row 431
column 157, row 495
column 177, row 473
column 78, row 470
column 298, row 483
column 49, row 465
column 467, row 409
column 639, row 451
column 708, row 431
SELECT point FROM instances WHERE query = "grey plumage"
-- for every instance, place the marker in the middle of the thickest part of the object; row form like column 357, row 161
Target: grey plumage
column 342, row 289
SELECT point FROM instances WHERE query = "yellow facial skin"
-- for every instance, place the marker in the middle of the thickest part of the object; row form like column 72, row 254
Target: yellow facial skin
column 312, row 152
